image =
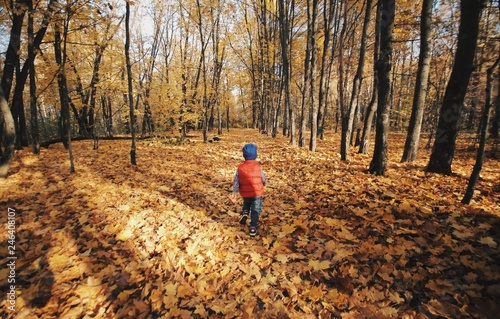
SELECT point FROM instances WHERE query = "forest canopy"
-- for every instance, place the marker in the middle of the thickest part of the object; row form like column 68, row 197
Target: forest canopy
column 233, row 63
column 321, row 86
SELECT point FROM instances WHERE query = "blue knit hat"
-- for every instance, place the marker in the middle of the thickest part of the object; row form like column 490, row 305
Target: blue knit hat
column 250, row 151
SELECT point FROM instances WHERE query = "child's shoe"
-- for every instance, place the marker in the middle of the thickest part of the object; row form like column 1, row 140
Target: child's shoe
column 253, row 231
column 244, row 218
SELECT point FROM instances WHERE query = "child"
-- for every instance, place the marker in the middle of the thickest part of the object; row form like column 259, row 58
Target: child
column 249, row 181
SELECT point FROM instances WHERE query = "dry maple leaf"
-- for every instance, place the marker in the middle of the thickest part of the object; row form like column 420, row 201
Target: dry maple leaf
column 282, row 258
column 286, row 230
column 317, row 265
column 488, row 241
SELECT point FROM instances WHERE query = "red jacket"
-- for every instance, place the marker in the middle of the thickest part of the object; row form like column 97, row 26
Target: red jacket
column 250, row 179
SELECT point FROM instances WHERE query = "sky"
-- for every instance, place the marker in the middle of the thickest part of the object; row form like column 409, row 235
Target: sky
column 145, row 25
column 4, row 39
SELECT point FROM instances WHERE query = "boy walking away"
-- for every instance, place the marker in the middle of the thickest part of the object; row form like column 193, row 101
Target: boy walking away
column 249, row 181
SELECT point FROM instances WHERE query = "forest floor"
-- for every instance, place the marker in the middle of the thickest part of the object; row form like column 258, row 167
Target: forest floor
column 162, row 239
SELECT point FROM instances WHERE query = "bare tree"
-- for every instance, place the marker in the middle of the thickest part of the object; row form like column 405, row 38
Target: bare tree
column 417, row 113
column 372, row 106
column 60, row 45
column 312, row 17
column 9, row 136
column 482, row 141
column 18, row 9
column 387, row 13
column 450, row 113
column 133, row 149
column 203, row 67
column 347, row 132
column 31, row 58
column 330, row 11
column 285, row 12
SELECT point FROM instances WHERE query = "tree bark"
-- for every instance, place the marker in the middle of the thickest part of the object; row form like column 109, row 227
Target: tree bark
column 417, row 113
column 60, row 55
column 133, row 148
column 372, row 106
column 358, row 78
column 312, row 13
column 9, row 136
column 13, row 49
column 18, row 113
column 35, row 141
column 219, row 121
column 379, row 161
column 450, row 113
column 495, row 123
column 202, row 70
column 329, row 11
column 341, row 84
column 482, row 142
column 305, row 96
column 368, row 121
column 22, row 75
column 285, row 10
column 148, row 125
column 18, row 9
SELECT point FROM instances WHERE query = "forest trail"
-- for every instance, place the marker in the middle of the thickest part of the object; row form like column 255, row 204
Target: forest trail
column 162, row 239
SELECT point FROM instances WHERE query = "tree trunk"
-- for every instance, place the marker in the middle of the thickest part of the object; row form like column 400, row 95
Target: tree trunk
column 133, row 148
column 302, row 125
column 21, row 76
column 356, row 86
column 13, row 49
column 482, row 142
column 285, row 9
column 227, row 118
column 417, row 112
column 450, row 113
column 147, row 119
column 329, row 10
column 107, row 115
column 305, row 96
column 9, row 136
column 384, row 63
column 60, row 55
column 93, row 90
column 495, row 125
column 18, row 113
column 305, row 92
column 341, row 99
column 372, row 106
column 18, row 9
column 368, row 122
column 202, row 70
column 293, row 125
column 312, row 13
column 219, row 121
column 31, row 58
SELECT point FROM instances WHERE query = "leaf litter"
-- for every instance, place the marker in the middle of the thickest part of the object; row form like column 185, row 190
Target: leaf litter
column 162, row 239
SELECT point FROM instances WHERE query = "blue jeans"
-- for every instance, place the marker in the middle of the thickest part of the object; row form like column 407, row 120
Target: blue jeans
column 254, row 206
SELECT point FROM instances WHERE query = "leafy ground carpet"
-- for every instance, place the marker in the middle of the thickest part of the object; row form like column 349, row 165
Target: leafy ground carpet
column 162, row 239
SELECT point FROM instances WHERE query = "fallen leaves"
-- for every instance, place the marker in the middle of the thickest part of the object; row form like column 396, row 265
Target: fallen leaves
column 488, row 241
column 317, row 265
column 163, row 240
